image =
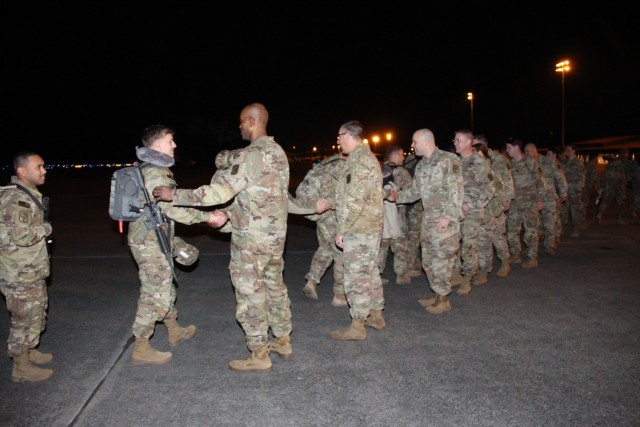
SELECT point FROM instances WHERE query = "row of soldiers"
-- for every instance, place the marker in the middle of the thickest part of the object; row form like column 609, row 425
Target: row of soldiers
column 513, row 199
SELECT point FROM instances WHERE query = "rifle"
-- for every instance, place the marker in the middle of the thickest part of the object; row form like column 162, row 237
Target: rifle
column 154, row 220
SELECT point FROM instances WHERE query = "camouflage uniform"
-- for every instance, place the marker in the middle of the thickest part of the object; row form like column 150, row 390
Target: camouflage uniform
column 615, row 181
column 478, row 190
column 402, row 180
column 328, row 173
column 24, row 266
column 492, row 213
column 438, row 182
column 360, row 222
column 592, row 181
column 529, row 188
column 502, row 166
column 413, row 212
column 258, row 182
column 574, row 172
column 555, row 188
column 157, row 291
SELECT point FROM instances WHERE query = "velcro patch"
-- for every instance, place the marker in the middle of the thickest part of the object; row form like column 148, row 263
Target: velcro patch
column 24, row 204
column 490, row 177
column 23, row 217
column 348, row 178
column 456, row 169
column 234, row 169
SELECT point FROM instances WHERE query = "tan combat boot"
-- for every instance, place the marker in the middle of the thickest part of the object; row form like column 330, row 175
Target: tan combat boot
column 426, row 302
column 282, row 346
column 339, row 300
column 504, row 269
column 403, row 279
column 39, row 358
column 465, row 287
column 177, row 334
column 375, row 320
column 415, row 272
column 440, row 305
column 480, row 278
column 515, row 259
column 353, row 332
column 24, row 370
column 259, row 361
column 530, row 263
column 599, row 218
column 309, row 290
column 456, row 279
column 144, row 354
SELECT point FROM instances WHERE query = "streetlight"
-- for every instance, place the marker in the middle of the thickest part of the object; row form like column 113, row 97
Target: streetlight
column 563, row 67
column 375, row 139
column 470, row 98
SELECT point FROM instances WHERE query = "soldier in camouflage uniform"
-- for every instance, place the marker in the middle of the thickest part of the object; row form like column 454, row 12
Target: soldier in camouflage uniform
column 615, row 186
column 414, row 212
column 257, row 180
column 591, row 182
column 555, row 186
column 438, row 182
column 401, row 179
column 494, row 233
column 156, row 302
column 574, row 172
column 529, row 194
column 321, row 182
column 479, row 188
column 360, row 221
column 24, row 265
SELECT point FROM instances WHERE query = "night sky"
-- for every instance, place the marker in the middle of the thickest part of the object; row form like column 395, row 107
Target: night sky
column 84, row 77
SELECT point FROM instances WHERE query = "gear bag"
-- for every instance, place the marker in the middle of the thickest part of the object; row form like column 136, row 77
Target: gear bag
column 126, row 200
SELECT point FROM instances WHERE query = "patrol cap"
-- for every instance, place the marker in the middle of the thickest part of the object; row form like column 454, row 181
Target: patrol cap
column 185, row 253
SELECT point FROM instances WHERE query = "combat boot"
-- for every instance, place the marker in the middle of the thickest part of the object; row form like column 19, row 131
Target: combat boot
column 375, row 320
column 480, row 278
column 309, row 290
column 177, row 334
column 339, row 300
column 599, row 218
column 414, row 272
column 426, row 302
column 259, row 361
column 39, row 358
column 620, row 221
column 403, row 279
column 384, row 281
column 24, row 370
column 515, row 259
column 456, row 279
column 440, row 305
column 144, row 354
column 575, row 233
column 465, row 287
column 282, row 346
column 530, row 263
column 504, row 269
column 353, row 332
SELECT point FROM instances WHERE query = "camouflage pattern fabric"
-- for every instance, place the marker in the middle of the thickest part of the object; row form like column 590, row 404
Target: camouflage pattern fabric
column 488, row 226
column 24, row 266
column 574, row 172
column 157, row 291
column 360, row 221
column 615, row 181
column 555, row 187
column 439, row 183
column 257, row 180
column 529, row 189
column 592, row 183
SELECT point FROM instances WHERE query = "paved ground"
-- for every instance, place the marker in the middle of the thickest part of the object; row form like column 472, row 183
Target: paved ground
column 554, row 346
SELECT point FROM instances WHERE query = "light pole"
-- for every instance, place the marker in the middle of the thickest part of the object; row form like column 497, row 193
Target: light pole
column 470, row 98
column 562, row 67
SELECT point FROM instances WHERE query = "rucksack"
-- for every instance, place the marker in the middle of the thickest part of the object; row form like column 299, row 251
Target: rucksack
column 127, row 200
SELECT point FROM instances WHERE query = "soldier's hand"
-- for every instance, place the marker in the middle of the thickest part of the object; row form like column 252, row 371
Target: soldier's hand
column 163, row 193
column 217, row 219
column 393, row 195
column 340, row 242
column 322, row 205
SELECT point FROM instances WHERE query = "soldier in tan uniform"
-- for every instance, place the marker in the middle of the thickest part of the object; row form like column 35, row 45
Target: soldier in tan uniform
column 24, row 265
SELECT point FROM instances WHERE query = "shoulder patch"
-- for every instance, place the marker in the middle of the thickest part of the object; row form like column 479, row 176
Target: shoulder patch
column 234, row 169
column 490, row 177
column 348, row 178
column 23, row 216
column 456, row 169
column 24, row 204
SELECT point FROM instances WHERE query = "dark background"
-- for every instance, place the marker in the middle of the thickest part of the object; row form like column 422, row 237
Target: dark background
column 84, row 79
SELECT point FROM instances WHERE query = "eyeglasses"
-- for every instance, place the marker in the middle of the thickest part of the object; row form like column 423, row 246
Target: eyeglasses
column 340, row 134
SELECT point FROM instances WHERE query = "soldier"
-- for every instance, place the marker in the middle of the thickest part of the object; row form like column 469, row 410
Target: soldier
column 493, row 210
column 555, row 187
column 257, row 180
column 592, row 182
column 529, row 193
column 24, row 265
column 401, row 179
column 414, row 212
column 321, row 181
column 360, row 221
column 156, row 302
column 615, row 185
column 438, row 182
column 478, row 190
column 574, row 172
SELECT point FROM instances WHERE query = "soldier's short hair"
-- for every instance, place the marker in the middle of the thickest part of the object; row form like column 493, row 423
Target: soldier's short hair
column 154, row 132
column 21, row 157
column 354, row 127
column 392, row 150
column 516, row 142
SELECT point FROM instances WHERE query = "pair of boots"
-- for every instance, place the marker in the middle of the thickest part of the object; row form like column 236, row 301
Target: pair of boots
column 356, row 331
column 259, row 360
column 25, row 370
column 436, row 305
column 145, row 354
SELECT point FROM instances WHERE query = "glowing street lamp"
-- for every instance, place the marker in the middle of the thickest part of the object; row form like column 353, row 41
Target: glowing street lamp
column 563, row 67
column 375, row 139
column 470, row 98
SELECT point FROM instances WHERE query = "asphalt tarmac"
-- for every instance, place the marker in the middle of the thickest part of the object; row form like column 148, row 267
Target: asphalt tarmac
column 558, row 345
